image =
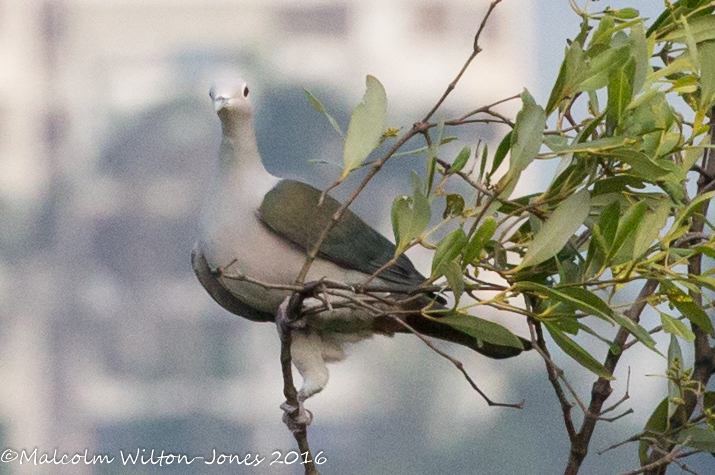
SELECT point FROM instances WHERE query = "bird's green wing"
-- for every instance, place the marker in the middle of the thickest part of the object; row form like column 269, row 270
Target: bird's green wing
column 291, row 210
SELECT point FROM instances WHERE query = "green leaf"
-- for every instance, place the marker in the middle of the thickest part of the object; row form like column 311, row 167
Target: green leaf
column 483, row 164
column 692, row 207
column 460, row 161
column 656, row 425
column 608, row 223
column 597, row 146
column 709, row 400
column 431, row 159
column 410, row 216
column 367, row 124
column 620, row 93
column 481, row 237
column 604, row 234
column 590, row 303
column 640, row 164
column 482, row 330
column 650, row 227
column 676, row 327
column 528, row 132
column 685, row 304
column 625, row 13
column 698, row 438
column 575, row 351
column 455, row 279
column 701, row 29
column 570, row 75
column 313, row 101
column 601, row 67
column 690, row 43
column 568, row 216
column 447, row 250
column 501, row 152
column 627, row 226
column 675, row 357
column 706, row 51
column 454, row 205
column 641, row 55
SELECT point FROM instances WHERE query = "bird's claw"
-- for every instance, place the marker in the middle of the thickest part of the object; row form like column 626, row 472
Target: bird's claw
column 296, row 418
column 284, row 322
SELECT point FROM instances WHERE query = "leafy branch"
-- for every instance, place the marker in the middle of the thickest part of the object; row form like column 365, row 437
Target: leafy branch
column 630, row 120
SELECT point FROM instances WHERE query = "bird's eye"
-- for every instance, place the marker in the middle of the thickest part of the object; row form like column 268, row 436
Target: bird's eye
column 245, row 91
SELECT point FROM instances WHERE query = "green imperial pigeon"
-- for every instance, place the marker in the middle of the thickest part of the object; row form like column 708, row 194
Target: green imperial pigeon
column 260, row 226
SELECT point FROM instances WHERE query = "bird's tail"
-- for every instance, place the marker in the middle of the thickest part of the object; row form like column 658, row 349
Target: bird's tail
column 433, row 327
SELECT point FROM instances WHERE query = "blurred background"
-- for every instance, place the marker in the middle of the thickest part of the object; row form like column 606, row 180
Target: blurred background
column 107, row 143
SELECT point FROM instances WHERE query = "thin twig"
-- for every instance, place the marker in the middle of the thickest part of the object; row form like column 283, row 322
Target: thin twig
column 625, row 397
column 615, row 418
column 671, row 457
column 416, row 129
column 537, row 342
column 475, row 51
column 291, row 306
column 459, row 366
column 485, row 109
column 602, row 387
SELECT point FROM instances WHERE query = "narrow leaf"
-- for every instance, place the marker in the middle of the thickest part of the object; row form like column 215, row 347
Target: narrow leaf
column 656, row 425
column 313, row 101
column 483, row 164
column 701, row 29
column 481, row 329
column 575, row 351
column 608, row 223
column 455, row 279
column 410, row 216
column 685, row 304
column 367, row 124
column 431, row 159
column 627, row 226
column 640, row 164
column 591, row 304
column 482, row 236
column 568, row 216
column 650, row 227
column 675, row 359
column 447, row 250
column 698, row 438
column 620, row 93
column 454, row 205
column 706, row 51
column 501, row 152
column 460, row 161
column 528, row 132
column 676, row 327
column 570, row 74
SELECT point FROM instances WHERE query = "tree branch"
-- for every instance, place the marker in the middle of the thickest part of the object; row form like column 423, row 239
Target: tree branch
column 602, row 387
column 476, row 49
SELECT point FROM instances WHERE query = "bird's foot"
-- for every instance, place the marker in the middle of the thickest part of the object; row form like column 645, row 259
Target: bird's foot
column 285, row 321
column 296, row 418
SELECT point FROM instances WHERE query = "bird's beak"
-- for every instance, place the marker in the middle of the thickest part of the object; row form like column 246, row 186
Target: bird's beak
column 220, row 102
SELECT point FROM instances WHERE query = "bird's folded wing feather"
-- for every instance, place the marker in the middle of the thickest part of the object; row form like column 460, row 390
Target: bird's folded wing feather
column 291, row 210
column 221, row 294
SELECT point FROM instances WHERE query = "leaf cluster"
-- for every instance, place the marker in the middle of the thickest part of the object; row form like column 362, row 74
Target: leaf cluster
column 628, row 119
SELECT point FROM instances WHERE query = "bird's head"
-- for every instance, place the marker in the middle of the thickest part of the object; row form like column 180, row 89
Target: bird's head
column 231, row 97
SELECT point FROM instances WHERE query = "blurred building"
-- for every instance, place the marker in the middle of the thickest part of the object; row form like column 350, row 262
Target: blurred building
column 105, row 140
